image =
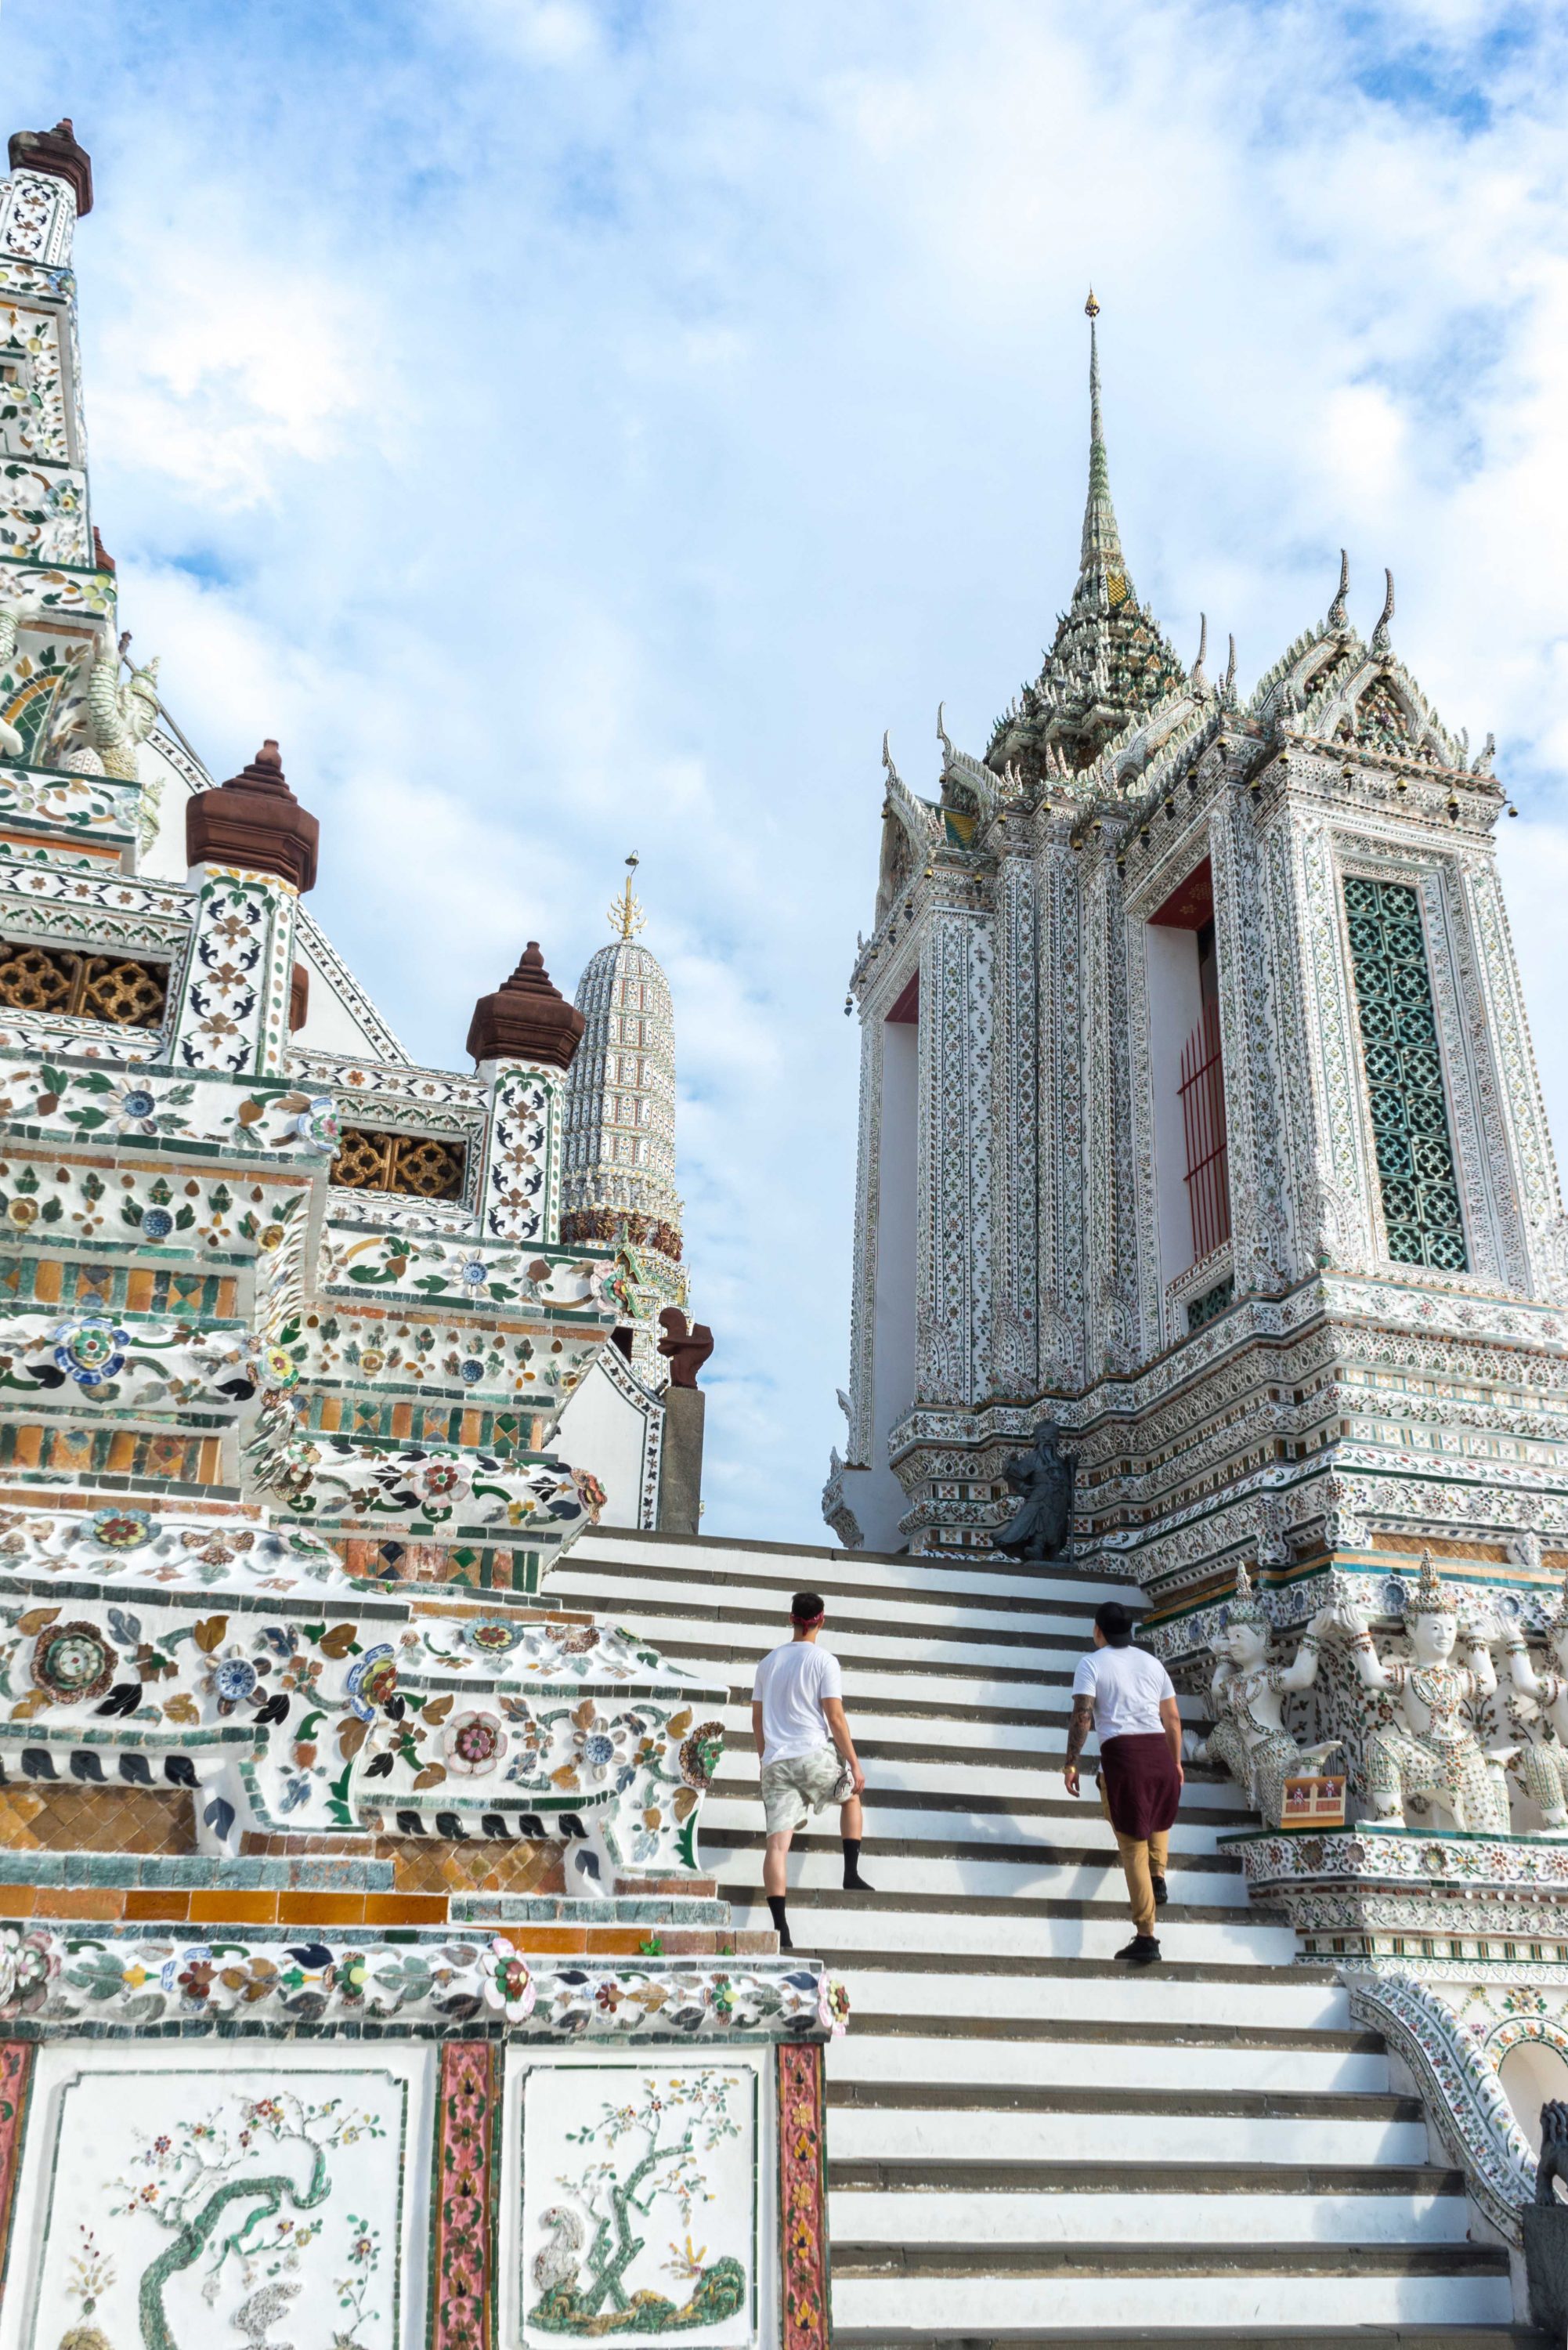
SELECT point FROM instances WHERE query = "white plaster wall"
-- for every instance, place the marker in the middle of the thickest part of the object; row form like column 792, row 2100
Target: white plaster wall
column 1175, row 1008
column 601, row 1431
column 875, row 1494
column 330, row 1026
column 1532, row 2074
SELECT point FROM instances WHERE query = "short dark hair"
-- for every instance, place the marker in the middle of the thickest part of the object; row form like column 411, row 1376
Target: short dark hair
column 806, row 1606
column 1114, row 1621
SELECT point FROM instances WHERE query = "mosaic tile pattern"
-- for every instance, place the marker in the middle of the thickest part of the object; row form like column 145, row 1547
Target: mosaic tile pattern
column 803, row 2198
column 462, row 2245
column 96, row 1819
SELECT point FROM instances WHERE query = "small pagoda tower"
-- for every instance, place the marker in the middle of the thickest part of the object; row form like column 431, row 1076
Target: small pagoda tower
column 617, row 1182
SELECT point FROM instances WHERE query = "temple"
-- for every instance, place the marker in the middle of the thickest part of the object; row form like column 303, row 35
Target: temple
column 383, row 1956
column 1198, row 1115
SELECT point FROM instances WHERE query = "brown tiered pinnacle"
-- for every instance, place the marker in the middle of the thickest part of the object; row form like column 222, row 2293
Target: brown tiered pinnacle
column 527, row 1019
column 253, row 820
column 57, row 152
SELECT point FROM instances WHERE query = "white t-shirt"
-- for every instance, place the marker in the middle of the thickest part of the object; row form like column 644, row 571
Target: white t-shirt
column 792, row 1683
column 1127, row 1686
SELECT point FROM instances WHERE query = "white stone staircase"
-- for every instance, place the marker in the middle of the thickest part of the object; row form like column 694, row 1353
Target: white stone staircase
column 1026, row 2142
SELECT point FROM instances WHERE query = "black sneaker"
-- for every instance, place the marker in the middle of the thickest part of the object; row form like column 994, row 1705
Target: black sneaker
column 1161, row 1890
column 1143, row 1951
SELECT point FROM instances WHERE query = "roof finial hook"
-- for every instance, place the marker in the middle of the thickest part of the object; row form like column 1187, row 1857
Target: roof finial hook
column 625, row 915
column 1227, row 691
column 1337, row 611
column 1380, row 633
column 942, row 734
column 1199, row 680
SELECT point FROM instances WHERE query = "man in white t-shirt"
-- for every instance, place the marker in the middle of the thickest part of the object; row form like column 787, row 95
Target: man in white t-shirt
column 807, row 1754
column 1126, row 1697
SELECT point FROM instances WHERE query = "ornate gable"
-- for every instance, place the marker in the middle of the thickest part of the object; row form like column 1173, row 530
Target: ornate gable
column 1334, row 688
column 911, row 829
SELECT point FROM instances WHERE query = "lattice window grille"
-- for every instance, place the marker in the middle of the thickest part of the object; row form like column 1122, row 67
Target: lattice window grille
column 1202, row 1089
column 1212, row 1304
column 120, row 989
column 419, row 1166
column 1419, row 1190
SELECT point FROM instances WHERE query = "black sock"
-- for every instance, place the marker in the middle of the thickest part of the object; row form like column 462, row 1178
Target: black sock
column 781, row 1924
column 852, row 1876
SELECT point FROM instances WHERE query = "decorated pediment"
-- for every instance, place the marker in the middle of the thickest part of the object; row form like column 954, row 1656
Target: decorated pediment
column 1379, row 707
column 911, row 830
column 1337, row 688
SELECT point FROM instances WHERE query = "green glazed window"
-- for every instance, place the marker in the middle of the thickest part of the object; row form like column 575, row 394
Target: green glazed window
column 1404, row 1076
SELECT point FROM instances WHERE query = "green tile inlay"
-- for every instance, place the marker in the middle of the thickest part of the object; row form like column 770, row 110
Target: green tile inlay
column 1404, row 1076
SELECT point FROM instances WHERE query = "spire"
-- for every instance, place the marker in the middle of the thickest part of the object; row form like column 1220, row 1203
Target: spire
column 1109, row 663
column 1101, row 561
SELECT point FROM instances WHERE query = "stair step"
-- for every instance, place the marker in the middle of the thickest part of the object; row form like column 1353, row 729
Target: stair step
column 875, row 1602
column 940, row 2059
column 895, row 1570
column 958, row 2213
column 1122, row 2258
column 913, row 2176
column 856, row 1960
column 1068, row 2031
column 1198, row 2105
column 740, row 1784
column 1188, row 2337
column 1108, row 1915
column 819, row 1841
column 1051, row 1629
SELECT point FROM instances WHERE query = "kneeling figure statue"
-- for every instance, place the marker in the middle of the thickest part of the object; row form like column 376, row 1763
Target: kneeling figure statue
column 1248, row 1694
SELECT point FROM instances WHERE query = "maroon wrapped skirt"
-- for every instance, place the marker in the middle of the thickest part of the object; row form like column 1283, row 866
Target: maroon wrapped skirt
column 1142, row 1789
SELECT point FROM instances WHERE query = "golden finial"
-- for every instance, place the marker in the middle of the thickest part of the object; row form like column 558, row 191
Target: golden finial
column 625, row 915
column 1091, row 307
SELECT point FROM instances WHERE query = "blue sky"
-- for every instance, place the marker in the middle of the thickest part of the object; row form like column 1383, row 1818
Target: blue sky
column 572, row 428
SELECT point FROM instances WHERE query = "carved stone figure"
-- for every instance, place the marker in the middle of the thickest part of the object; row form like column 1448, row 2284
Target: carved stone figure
column 1551, row 2163
column 1248, row 1693
column 1542, row 1759
column 1041, row 1527
column 1431, row 1750
column 120, row 717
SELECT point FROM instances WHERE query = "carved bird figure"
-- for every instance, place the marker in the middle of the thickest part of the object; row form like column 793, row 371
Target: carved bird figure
column 556, row 2265
column 264, row 2309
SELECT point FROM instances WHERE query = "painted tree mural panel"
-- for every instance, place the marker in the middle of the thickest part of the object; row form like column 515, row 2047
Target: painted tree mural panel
column 184, row 2207
column 639, row 2205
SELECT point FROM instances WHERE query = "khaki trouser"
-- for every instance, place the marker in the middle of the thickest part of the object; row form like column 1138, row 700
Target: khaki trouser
column 1142, row 1856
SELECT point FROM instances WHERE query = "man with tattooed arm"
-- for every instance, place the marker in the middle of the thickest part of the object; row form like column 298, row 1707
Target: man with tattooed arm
column 1126, row 1697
